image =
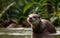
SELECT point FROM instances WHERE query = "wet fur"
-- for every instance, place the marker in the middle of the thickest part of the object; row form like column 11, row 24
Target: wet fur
column 42, row 28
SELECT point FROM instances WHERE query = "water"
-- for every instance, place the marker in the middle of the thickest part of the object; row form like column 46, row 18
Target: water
column 20, row 33
column 15, row 33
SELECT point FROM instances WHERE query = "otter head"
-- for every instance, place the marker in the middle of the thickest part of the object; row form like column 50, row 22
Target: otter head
column 33, row 19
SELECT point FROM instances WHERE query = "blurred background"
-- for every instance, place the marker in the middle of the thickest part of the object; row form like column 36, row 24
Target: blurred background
column 13, row 13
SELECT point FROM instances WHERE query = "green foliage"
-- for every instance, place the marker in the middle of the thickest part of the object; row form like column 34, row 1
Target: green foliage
column 52, row 19
column 26, row 7
column 21, row 8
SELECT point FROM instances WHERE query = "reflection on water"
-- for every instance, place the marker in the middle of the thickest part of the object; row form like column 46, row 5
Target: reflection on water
column 20, row 33
column 15, row 33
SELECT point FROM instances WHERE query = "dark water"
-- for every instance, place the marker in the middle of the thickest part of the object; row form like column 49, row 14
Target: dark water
column 20, row 33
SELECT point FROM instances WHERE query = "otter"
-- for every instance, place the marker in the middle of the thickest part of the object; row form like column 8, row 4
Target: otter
column 40, row 27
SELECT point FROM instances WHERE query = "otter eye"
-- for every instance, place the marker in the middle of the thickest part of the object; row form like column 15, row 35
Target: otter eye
column 34, row 17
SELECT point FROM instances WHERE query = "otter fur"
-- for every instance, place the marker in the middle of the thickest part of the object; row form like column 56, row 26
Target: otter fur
column 40, row 27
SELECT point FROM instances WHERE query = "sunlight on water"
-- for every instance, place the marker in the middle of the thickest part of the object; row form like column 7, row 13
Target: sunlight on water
column 58, row 33
column 21, row 32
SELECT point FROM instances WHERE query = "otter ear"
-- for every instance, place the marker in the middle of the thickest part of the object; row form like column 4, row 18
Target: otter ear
column 39, row 17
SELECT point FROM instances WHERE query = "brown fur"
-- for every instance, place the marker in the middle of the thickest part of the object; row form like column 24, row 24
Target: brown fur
column 42, row 28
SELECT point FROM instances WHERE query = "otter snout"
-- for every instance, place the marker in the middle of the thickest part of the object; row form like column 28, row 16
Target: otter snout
column 31, row 19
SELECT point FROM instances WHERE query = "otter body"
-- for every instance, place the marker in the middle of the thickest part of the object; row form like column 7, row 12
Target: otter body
column 40, row 27
column 43, row 29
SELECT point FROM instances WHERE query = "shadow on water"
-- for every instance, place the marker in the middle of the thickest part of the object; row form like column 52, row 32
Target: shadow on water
column 20, row 33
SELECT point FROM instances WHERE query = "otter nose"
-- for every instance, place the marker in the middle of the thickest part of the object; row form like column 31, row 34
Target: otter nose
column 30, row 18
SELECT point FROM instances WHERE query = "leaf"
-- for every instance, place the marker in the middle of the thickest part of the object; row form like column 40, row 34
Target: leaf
column 42, row 2
column 6, row 8
column 52, row 19
column 0, row 15
column 28, row 6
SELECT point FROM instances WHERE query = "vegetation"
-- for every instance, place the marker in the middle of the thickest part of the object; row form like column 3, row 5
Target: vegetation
column 18, row 10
